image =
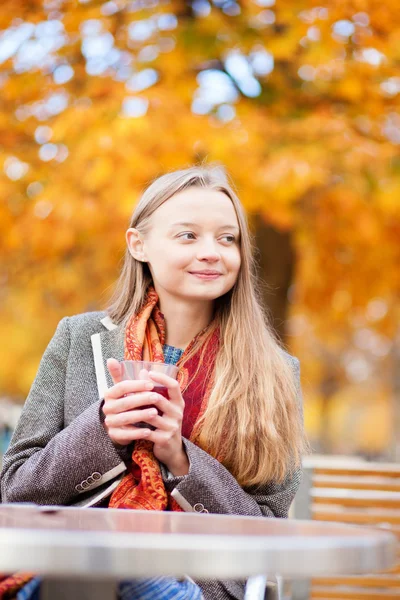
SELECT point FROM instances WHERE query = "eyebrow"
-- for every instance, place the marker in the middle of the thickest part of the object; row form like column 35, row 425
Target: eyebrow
column 187, row 224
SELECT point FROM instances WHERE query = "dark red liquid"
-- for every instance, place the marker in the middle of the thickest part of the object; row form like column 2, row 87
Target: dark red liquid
column 162, row 390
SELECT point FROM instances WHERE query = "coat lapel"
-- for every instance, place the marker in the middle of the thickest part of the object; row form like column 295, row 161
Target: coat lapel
column 109, row 343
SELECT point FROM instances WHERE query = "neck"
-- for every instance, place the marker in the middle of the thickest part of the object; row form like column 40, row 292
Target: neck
column 184, row 319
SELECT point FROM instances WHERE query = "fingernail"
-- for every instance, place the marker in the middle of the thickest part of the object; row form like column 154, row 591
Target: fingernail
column 149, row 385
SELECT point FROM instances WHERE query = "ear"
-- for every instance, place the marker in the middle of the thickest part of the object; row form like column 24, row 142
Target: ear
column 135, row 244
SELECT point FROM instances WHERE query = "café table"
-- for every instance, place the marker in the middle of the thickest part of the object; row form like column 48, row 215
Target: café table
column 83, row 552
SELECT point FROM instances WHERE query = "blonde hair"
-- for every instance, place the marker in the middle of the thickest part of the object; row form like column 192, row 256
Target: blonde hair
column 253, row 420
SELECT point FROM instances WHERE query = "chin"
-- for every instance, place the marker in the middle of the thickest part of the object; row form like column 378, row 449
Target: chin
column 205, row 294
column 194, row 293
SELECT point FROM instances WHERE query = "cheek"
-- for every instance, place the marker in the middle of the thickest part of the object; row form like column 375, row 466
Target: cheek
column 177, row 259
column 166, row 259
column 234, row 261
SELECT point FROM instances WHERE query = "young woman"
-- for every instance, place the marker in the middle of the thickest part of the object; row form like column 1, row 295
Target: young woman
column 230, row 437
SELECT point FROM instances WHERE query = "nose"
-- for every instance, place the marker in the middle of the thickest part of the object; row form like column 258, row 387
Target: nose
column 208, row 251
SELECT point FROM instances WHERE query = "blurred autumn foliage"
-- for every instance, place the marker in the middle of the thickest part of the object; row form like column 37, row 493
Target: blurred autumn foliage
column 300, row 100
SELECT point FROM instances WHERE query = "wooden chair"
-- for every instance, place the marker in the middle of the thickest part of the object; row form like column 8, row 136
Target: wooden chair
column 355, row 492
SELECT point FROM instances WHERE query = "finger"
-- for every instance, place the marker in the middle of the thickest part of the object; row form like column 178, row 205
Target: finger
column 174, row 390
column 144, row 374
column 115, row 370
column 126, row 435
column 166, row 406
column 160, row 438
column 128, row 386
column 163, row 423
column 131, row 417
column 128, row 402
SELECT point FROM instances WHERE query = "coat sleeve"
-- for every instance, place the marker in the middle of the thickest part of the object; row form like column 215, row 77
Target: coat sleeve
column 209, row 486
column 45, row 462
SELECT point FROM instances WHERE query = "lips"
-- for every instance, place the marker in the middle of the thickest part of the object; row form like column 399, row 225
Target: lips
column 206, row 275
column 207, row 272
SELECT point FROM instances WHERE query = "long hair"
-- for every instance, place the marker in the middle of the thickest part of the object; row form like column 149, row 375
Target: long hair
column 253, row 420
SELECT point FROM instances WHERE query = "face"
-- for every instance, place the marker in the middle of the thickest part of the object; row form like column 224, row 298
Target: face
column 192, row 247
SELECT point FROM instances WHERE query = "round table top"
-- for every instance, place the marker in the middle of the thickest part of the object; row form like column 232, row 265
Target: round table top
column 112, row 543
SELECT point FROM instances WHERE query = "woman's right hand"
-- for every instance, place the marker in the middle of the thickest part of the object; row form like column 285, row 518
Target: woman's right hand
column 122, row 404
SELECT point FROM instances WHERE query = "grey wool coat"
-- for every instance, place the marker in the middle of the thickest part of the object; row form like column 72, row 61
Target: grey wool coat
column 60, row 453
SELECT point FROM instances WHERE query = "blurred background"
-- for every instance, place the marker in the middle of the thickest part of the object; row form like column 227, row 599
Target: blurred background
column 299, row 99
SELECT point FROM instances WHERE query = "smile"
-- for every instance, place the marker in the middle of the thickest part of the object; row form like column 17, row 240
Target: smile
column 206, row 276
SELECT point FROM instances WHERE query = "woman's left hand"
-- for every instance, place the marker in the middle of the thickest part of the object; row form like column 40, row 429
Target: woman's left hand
column 167, row 437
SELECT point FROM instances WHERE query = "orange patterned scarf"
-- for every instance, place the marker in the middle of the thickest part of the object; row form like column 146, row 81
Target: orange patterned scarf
column 11, row 584
column 143, row 488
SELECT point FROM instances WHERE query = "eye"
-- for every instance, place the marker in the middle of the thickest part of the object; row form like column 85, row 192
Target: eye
column 190, row 233
column 230, row 238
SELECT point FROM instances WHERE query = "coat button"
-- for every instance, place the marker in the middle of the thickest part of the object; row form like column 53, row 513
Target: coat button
column 85, row 485
column 90, row 480
column 96, row 475
column 79, row 488
column 198, row 507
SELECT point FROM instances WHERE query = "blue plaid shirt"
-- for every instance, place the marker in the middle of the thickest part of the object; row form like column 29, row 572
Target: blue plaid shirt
column 171, row 354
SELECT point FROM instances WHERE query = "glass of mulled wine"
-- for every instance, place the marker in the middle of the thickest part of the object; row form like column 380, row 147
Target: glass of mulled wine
column 139, row 369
